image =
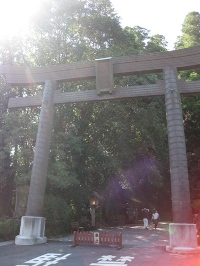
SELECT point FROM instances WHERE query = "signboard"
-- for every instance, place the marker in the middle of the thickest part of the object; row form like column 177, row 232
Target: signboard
column 96, row 238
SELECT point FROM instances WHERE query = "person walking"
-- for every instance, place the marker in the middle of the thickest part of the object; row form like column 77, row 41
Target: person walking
column 145, row 214
column 155, row 217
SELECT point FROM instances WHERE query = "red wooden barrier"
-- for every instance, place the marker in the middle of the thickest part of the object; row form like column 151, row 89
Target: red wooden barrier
column 83, row 237
column 103, row 238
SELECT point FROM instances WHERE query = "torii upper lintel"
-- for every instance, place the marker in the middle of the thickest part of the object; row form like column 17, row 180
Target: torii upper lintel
column 126, row 65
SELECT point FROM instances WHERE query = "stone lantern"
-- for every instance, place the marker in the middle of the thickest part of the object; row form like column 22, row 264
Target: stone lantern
column 94, row 203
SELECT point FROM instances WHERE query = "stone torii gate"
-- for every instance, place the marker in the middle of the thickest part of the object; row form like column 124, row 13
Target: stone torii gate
column 182, row 231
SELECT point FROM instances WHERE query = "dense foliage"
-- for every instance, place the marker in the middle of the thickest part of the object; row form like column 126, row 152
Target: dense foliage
column 116, row 148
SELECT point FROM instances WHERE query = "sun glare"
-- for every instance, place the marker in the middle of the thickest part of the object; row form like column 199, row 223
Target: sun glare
column 15, row 16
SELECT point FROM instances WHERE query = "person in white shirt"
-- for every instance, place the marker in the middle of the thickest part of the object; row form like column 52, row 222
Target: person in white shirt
column 155, row 217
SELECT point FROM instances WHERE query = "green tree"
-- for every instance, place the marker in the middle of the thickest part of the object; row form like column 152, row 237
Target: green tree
column 190, row 31
column 135, row 40
column 6, row 171
column 72, row 30
column 157, row 43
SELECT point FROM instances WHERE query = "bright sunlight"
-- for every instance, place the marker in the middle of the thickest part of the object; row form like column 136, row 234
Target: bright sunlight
column 15, row 16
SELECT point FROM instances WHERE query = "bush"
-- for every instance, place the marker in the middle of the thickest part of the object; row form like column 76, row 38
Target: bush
column 9, row 228
column 58, row 220
column 57, row 215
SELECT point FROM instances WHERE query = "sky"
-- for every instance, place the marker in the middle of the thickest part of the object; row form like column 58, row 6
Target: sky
column 158, row 16
column 15, row 16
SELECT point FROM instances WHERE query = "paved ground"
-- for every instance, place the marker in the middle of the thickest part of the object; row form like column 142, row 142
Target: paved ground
column 148, row 247
column 137, row 236
column 140, row 248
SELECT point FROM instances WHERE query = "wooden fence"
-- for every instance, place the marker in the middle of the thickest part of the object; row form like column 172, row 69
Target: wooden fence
column 98, row 238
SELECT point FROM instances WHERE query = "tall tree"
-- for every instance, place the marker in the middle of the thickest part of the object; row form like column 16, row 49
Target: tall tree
column 157, row 43
column 73, row 30
column 6, row 171
column 190, row 31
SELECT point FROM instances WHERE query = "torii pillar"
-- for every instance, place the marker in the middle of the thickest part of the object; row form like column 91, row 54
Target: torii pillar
column 33, row 224
column 182, row 233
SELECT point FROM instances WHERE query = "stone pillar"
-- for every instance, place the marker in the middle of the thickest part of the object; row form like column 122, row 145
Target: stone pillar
column 177, row 150
column 92, row 212
column 31, row 231
column 33, row 224
column 182, row 238
column 181, row 209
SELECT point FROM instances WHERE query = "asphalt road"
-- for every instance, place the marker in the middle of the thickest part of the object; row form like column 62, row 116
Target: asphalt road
column 140, row 248
column 59, row 253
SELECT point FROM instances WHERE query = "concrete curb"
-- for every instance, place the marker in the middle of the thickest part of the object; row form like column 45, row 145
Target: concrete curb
column 7, row 242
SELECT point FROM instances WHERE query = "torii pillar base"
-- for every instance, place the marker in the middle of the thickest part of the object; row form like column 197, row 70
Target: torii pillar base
column 31, row 231
column 183, row 238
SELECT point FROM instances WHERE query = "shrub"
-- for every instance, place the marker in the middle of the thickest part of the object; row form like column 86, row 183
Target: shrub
column 9, row 228
column 57, row 216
